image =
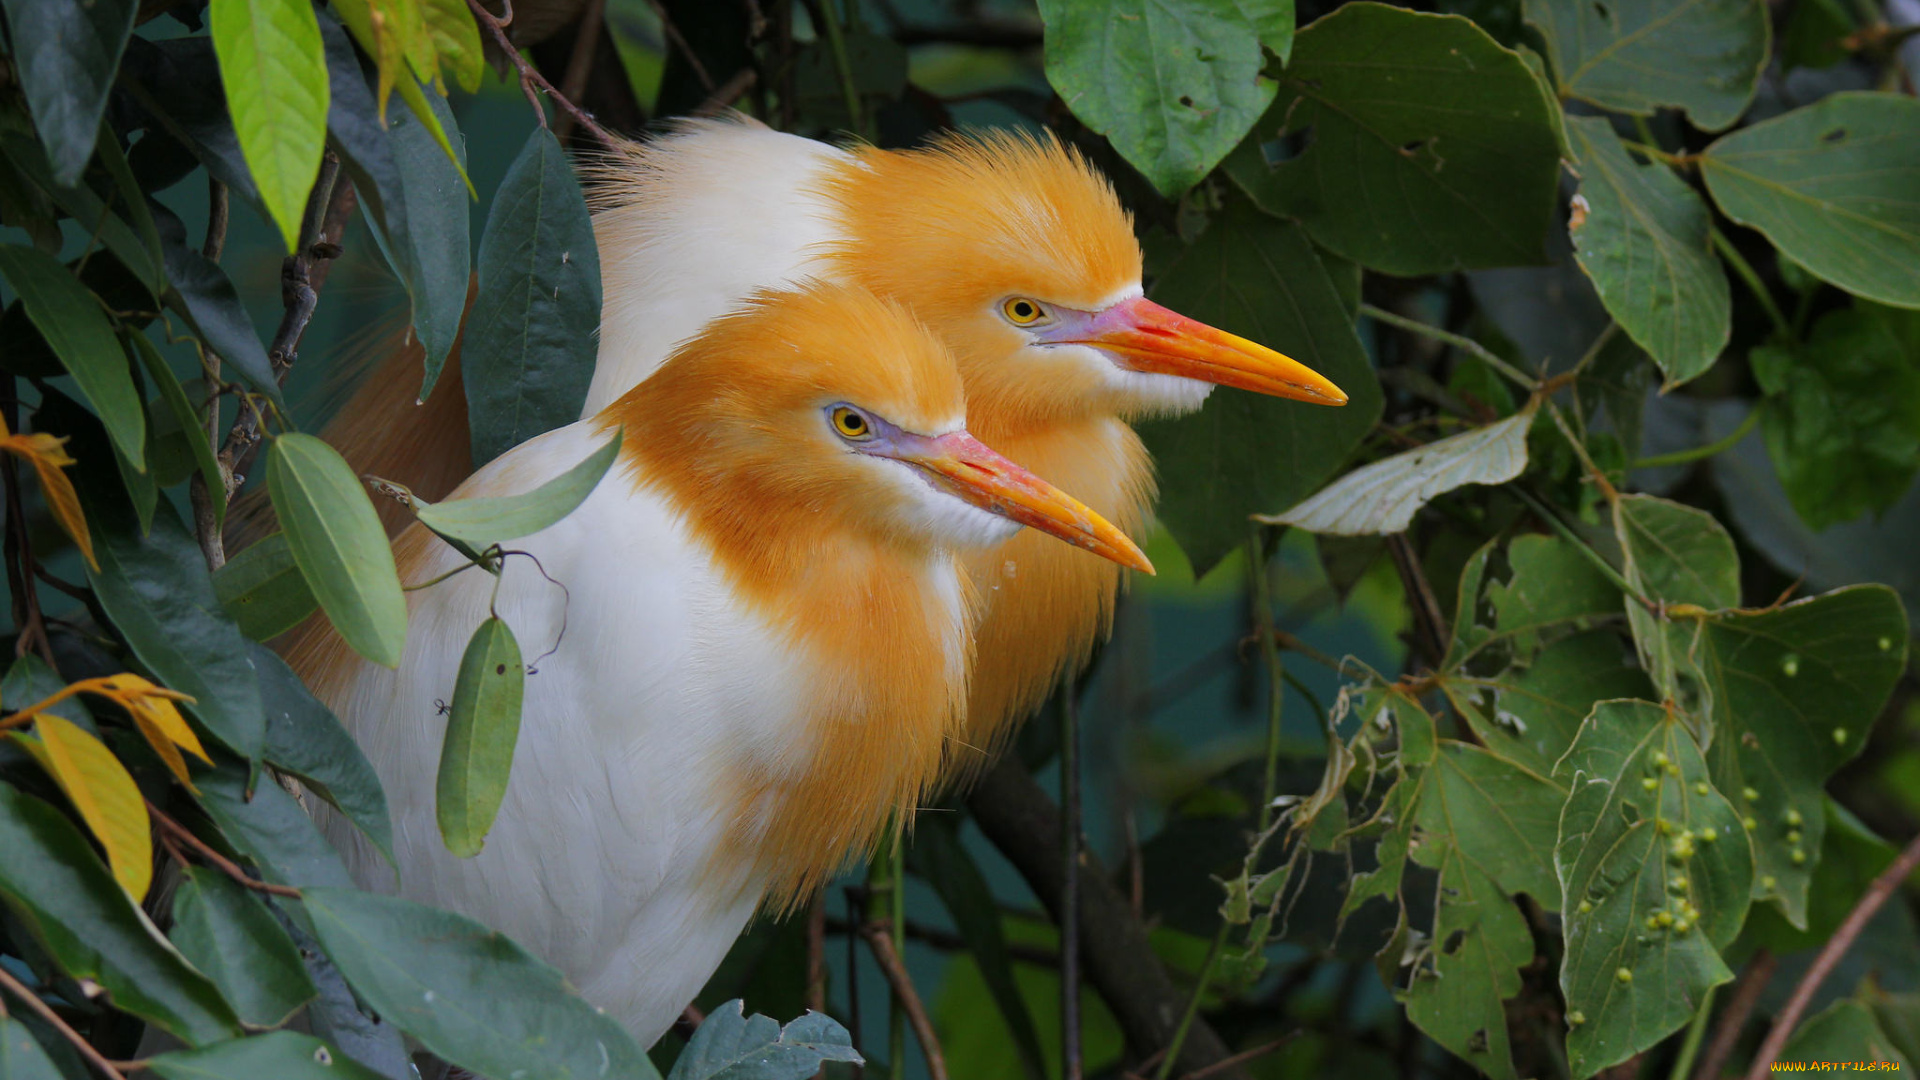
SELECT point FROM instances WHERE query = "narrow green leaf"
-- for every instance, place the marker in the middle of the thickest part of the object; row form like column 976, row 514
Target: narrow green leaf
column 456, row 38
column 227, row 932
column 1645, row 245
column 1846, row 1031
column 64, row 56
column 730, row 1045
column 21, row 1057
column 177, row 81
column 440, row 268
column 282, row 1055
column 71, row 320
column 136, row 245
column 483, row 725
column 57, row 886
column 484, row 522
column 305, row 739
column 529, row 350
column 468, row 994
column 1655, row 875
column 276, row 81
column 175, row 397
column 262, row 589
column 1634, row 56
column 1832, row 186
column 204, row 296
column 339, row 545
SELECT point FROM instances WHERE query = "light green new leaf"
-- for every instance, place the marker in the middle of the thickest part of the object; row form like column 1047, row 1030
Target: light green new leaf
column 1654, row 872
column 1832, row 185
column 275, row 76
column 262, row 589
column 456, row 38
column 225, row 930
column 282, row 1055
column 483, row 522
column 483, row 725
column 1846, row 1031
column 729, row 1045
column 339, row 545
column 69, row 317
column 1174, row 84
column 1634, row 56
column 1427, row 146
column 1645, row 245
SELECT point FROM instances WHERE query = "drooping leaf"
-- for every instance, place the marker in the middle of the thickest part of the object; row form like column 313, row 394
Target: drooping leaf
column 176, row 82
column 483, row 522
column 339, row 545
column 529, row 350
column 1645, row 245
column 266, row 825
column 283, row 1055
column 441, row 265
column 276, row 80
column 1832, row 186
column 48, row 457
column 1655, row 876
column 729, row 1045
column 308, row 741
column 1428, row 146
column 355, row 127
column 1173, row 85
column 204, row 296
column 21, row 1058
column 483, row 725
column 1846, row 1031
column 468, row 994
column 1258, row 277
column 262, row 589
column 175, row 397
column 54, row 883
column 1383, row 497
column 227, row 932
column 98, row 786
column 69, row 317
column 64, row 56
column 456, row 38
column 156, row 716
column 1634, row 56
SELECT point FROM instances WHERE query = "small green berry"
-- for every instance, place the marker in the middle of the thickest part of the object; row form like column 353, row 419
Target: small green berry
column 1706, row 836
column 1665, row 826
column 1624, row 975
column 1681, row 848
column 1677, row 884
column 1790, row 665
column 1794, row 820
column 1748, row 823
column 1663, row 918
column 1886, row 644
column 1749, row 794
column 1839, row 736
column 1653, row 923
column 1769, row 882
column 1680, row 928
column 1700, row 788
column 1660, row 759
column 1799, row 857
column 1650, row 784
column 1672, row 769
column 1586, row 907
column 1576, row 1018
column 1793, row 837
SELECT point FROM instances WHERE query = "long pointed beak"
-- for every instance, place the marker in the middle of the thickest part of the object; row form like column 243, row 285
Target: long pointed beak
column 1148, row 337
column 973, row 471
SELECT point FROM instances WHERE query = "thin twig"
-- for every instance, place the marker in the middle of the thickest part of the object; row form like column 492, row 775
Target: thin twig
column 1733, row 1019
column 45, row 1012
column 880, row 940
column 1244, row 1056
column 1171, row 1054
column 219, row 862
column 948, row 941
column 1876, row 896
column 1070, row 889
column 217, row 213
column 1465, row 344
column 206, row 516
column 853, row 977
column 729, row 92
column 672, row 33
column 1701, row 453
column 573, row 85
column 531, row 78
column 1745, row 271
column 1430, row 626
column 817, row 953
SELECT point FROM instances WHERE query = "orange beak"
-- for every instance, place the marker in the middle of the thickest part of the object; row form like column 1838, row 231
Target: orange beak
column 1148, row 337
column 976, row 473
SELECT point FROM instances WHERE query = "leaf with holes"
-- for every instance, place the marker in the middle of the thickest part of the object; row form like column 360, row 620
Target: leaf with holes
column 283, row 1055
column 730, row 1045
column 483, row 725
column 1529, row 714
column 1549, row 583
column 1635, row 56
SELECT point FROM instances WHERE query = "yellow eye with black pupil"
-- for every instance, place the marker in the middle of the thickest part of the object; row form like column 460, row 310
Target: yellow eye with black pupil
column 1021, row 311
column 850, row 424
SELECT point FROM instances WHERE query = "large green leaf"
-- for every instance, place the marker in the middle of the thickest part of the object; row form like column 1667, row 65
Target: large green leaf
column 262, row 590
column 467, row 993
column 1173, row 84
column 483, row 522
column 339, row 545
column 58, row 887
column 282, row 1055
column 1851, row 857
column 1549, row 583
column 306, row 740
column 529, row 352
column 64, row 55
column 276, row 81
column 1832, row 186
column 483, row 725
column 436, row 224
column 1257, row 277
column 134, row 242
column 1634, row 56
column 1535, row 709
column 69, row 317
column 1429, row 147
column 1655, row 875
column 225, row 930
column 730, row 1045
column 266, row 825
column 1645, row 245
column 1847, row 1031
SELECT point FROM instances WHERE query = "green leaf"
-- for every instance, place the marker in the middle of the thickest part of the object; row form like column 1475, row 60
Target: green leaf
column 1851, row 857
column 1634, row 56
column 1655, row 877
column 193, row 115
column 483, row 725
column 729, row 1045
column 339, row 545
column 276, row 81
column 483, row 522
column 305, row 739
column 262, row 590
column 1842, row 419
column 1846, row 1031
column 204, row 296
column 1252, row 275
column 467, row 993
column 136, row 245
column 266, row 825
column 175, row 397
column 1172, row 84
column 1645, row 245
column 529, row 350
column 54, row 883
column 1382, row 497
column 456, row 38
column 1674, row 554
column 69, row 317
column 283, row 1055
column 1812, row 36
column 440, row 267
column 21, row 1058
column 1832, row 186
column 1549, row 583
column 1429, row 147
column 64, row 56
column 227, row 932
column 1536, row 709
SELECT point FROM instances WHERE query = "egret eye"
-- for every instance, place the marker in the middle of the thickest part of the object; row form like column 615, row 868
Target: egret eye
column 1021, row 311
column 849, row 424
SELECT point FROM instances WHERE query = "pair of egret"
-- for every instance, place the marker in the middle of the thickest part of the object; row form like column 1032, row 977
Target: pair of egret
column 799, row 598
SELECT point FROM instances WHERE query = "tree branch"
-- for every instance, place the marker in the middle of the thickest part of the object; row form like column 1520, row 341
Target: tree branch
column 531, row 79
column 1746, row 994
column 45, row 1012
column 219, row 862
column 880, row 940
column 579, row 65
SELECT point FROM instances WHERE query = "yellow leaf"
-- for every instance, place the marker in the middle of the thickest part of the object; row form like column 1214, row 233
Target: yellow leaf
column 47, row 454
column 107, row 798
column 155, row 714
